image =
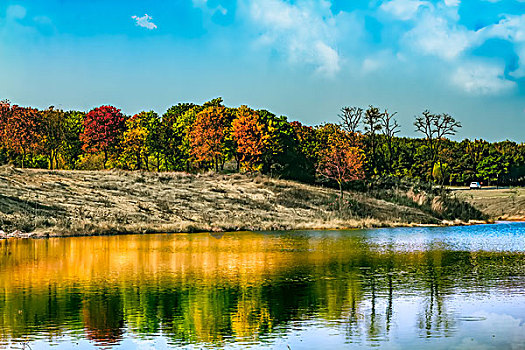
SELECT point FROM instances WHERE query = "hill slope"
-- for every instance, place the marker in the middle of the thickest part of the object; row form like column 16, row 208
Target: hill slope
column 106, row 202
column 498, row 204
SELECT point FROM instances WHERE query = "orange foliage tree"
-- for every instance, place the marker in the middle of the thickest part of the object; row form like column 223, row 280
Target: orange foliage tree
column 341, row 161
column 20, row 129
column 207, row 136
column 5, row 114
column 251, row 138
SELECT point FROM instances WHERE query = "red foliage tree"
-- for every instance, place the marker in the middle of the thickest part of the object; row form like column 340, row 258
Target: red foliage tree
column 20, row 129
column 5, row 112
column 341, row 162
column 251, row 137
column 103, row 130
column 207, row 136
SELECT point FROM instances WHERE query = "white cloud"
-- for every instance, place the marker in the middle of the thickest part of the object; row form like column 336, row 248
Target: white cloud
column 479, row 78
column 435, row 35
column 304, row 31
column 511, row 28
column 16, row 12
column 379, row 61
column 328, row 59
column 403, row 9
column 371, row 64
column 145, row 22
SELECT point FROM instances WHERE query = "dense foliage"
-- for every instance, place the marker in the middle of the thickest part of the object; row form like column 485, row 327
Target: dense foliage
column 190, row 137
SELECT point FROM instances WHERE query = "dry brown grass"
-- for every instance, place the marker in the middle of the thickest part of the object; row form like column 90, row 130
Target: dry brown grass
column 107, row 202
column 499, row 204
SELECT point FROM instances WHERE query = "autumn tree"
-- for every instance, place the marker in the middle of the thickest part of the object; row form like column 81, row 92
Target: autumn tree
column 251, row 138
column 139, row 140
column 207, row 137
column 21, row 130
column 103, row 130
column 5, row 111
column 5, row 115
column 341, row 162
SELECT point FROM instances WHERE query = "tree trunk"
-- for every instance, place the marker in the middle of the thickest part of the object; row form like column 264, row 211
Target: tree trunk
column 105, row 158
column 23, row 157
column 56, row 159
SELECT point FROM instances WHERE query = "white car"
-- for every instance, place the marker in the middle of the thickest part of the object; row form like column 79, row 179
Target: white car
column 475, row 186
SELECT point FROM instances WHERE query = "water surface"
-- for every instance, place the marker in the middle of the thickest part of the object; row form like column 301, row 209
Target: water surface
column 432, row 288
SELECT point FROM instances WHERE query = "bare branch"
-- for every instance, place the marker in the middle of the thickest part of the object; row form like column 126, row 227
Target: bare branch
column 350, row 118
column 389, row 124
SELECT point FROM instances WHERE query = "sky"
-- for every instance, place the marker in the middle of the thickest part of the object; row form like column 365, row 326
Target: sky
column 301, row 58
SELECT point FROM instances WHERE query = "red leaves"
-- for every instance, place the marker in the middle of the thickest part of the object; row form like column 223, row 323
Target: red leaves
column 103, row 129
column 20, row 129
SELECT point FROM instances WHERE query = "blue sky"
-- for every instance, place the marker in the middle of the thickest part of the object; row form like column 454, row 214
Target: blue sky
column 303, row 58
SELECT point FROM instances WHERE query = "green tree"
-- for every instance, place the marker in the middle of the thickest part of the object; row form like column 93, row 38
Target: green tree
column 137, row 140
column 53, row 130
column 441, row 172
column 172, row 133
column 71, row 148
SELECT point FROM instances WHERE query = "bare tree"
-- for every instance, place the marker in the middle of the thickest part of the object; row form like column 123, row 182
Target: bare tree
column 435, row 127
column 350, row 118
column 390, row 129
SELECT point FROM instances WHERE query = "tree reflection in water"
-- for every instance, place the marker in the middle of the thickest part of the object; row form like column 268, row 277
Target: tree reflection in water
column 103, row 317
column 239, row 288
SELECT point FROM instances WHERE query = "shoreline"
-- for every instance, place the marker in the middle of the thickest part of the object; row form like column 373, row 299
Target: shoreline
column 17, row 234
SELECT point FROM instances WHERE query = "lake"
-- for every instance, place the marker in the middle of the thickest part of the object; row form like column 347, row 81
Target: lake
column 401, row 288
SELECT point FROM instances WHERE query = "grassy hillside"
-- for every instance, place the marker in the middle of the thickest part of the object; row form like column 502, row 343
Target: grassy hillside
column 499, row 204
column 107, row 202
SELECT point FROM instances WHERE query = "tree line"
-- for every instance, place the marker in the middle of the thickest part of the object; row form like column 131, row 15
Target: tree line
column 190, row 137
